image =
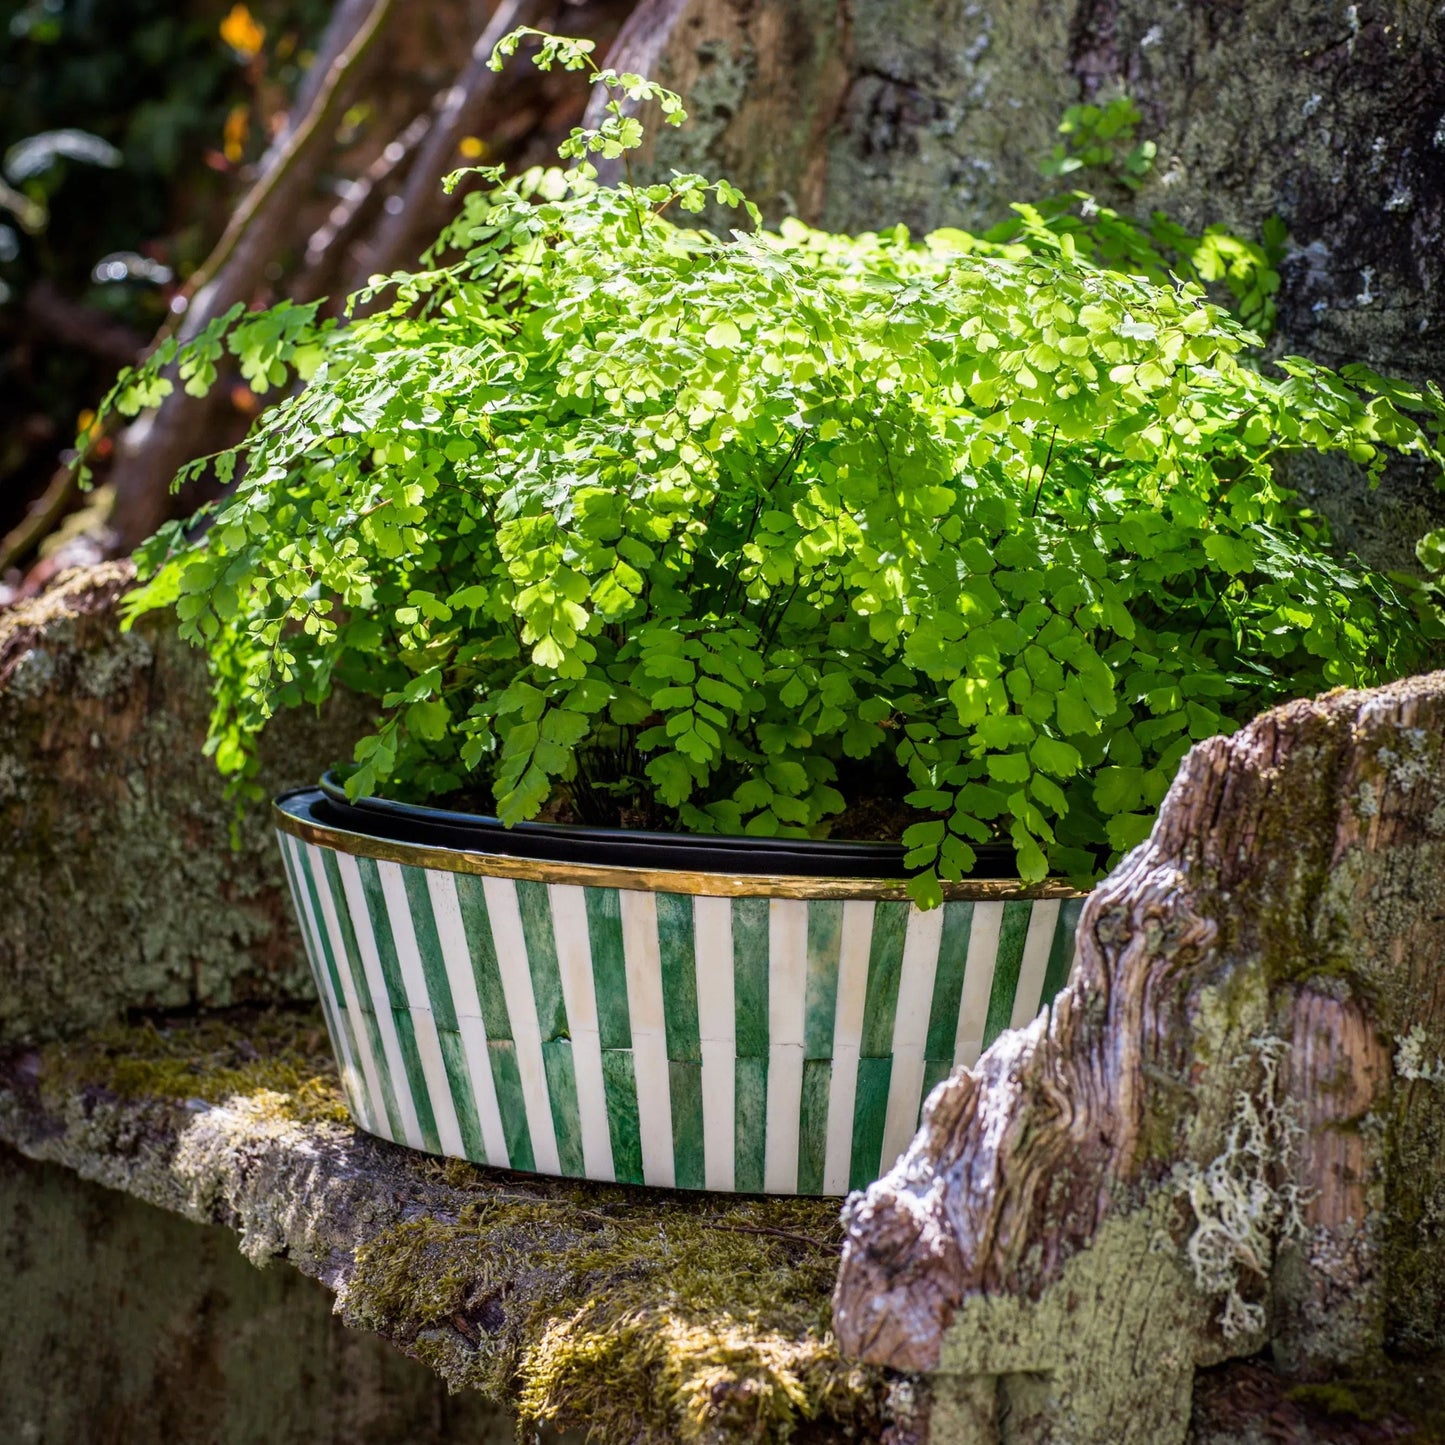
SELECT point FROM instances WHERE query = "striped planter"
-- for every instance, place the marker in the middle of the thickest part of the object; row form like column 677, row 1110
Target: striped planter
column 758, row 1034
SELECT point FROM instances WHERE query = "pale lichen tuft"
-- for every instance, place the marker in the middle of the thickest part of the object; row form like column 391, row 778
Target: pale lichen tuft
column 1241, row 1209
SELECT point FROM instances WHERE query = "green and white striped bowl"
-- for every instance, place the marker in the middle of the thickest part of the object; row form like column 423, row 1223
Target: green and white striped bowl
column 675, row 1029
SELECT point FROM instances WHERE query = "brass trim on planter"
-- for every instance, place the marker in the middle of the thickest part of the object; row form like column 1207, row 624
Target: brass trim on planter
column 650, row 880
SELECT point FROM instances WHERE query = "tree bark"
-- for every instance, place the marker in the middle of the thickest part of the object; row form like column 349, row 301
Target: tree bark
column 124, row 889
column 1224, row 1136
column 858, row 114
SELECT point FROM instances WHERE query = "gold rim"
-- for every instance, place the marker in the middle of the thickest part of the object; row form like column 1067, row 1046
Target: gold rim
column 649, row 880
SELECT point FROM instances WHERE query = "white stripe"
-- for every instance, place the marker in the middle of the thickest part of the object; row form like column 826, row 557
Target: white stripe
column 423, row 1021
column 787, row 986
column 977, row 983
column 314, row 957
column 505, row 916
column 1035, row 964
column 574, row 963
column 382, row 1002
column 910, row 1030
column 457, row 954
column 649, row 1035
column 380, row 1123
column 352, row 1084
column 712, row 931
column 857, row 944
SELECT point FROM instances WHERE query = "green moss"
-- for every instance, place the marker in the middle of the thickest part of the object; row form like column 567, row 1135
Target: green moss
column 656, row 1318
column 1411, row 1396
column 633, row 1314
column 1334, row 1399
column 282, row 1054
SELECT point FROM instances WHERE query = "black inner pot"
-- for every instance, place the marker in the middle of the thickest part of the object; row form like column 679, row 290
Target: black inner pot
column 622, row 847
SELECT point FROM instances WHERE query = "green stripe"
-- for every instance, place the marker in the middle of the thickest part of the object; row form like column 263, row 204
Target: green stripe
column 825, row 940
column 609, row 969
column 477, row 925
column 614, row 1026
column 750, row 978
column 311, row 945
column 363, row 993
column 1061, row 954
column 323, row 937
column 948, row 981
column 459, row 1077
column 870, row 1112
column 433, row 965
column 562, row 1091
column 813, row 1125
column 496, row 1021
column 749, row 1133
column 1011, row 935
column 885, row 967
column 400, row 1012
column 511, row 1104
column 679, row 981
column 439, row 995
column 534, row 903
column 620, row 1082
column 318, row 955
column 685, row 1083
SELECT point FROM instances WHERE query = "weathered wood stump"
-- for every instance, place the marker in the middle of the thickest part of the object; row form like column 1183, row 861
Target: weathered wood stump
column 1225, row 1136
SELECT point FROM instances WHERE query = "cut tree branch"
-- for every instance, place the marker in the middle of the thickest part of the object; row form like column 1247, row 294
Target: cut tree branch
column 280, row 182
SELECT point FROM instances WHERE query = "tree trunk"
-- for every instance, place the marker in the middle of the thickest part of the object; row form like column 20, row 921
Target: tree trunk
column 1225, row 1135
column 857, row 114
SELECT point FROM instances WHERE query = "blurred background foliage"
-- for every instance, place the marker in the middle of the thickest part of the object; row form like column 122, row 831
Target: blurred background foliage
column 125, row 127
column 160, row 161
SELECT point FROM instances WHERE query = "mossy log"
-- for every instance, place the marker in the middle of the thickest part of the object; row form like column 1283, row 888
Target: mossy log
column 1225, row 1137
column 123, row 887
column 645, row 1316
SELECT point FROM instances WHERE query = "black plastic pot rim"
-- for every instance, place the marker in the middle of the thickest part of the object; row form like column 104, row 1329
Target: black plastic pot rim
column 428, row 826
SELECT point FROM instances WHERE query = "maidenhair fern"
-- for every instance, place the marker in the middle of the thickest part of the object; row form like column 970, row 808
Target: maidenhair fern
column 603, row 504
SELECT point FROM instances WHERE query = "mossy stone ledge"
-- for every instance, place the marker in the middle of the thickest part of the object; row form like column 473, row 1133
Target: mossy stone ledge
column 626, row 1313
